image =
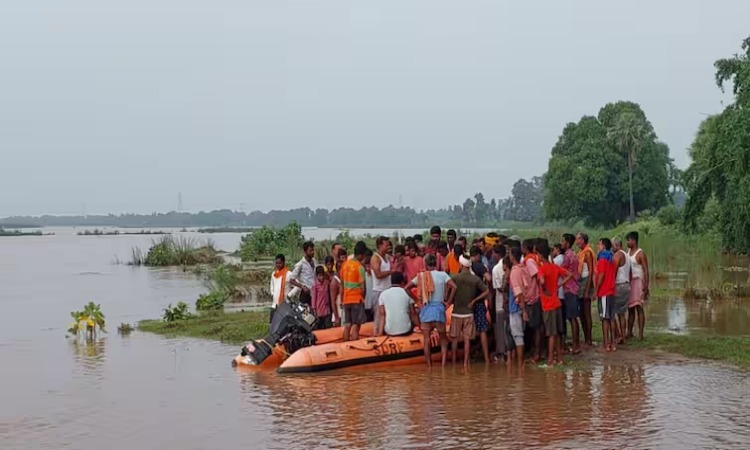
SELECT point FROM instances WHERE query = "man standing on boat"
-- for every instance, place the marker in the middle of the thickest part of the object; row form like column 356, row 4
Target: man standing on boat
column 303, row 274
column 353, row 279
column 381, row 271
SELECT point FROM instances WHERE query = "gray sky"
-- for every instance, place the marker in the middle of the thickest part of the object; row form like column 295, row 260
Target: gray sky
column 121, row 105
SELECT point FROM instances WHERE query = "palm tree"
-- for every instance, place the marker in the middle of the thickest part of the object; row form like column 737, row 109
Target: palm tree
column 629, row 133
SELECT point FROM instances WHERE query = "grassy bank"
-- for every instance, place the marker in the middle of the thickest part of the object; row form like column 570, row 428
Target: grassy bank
column 730, row 349
column 734, row 350
column 233, row 328
column 237, row 328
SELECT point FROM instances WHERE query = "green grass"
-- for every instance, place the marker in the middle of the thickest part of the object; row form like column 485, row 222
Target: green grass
column 233, row 328
column 731, row 349
column 734, row 350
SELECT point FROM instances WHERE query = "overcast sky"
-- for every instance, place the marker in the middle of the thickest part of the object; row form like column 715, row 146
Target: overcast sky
column 118, row 106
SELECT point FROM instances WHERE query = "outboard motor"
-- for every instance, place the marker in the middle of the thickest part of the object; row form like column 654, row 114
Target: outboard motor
column 291, row 326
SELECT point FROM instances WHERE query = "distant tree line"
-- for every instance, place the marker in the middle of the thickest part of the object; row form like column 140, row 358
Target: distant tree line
column 524, row 205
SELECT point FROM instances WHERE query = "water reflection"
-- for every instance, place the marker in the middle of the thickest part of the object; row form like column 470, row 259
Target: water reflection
column 677, row 316
column 89, row 354
column 410, row 407
column 726, row 317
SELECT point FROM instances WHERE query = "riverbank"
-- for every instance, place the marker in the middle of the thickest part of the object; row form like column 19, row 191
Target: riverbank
column 240, row 327
column 232, row 328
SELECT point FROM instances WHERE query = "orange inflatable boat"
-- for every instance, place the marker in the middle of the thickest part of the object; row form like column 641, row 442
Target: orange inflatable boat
column 293, row 346
column 280, row 353
column 371, row 351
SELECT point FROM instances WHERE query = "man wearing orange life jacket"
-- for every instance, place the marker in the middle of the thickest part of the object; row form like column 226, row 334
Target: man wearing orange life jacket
column 452, row 265
column 280, row 283
column 353, row 280
column 586, row 271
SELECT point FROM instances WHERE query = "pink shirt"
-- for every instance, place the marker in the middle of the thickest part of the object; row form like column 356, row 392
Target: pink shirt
column 570, row 263
column 321, row 298
column 413, row 266
column 532, row 291
column 519, row 281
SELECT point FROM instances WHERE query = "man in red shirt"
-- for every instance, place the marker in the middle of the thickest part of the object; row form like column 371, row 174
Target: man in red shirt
column 549, row 274
column 605, row 290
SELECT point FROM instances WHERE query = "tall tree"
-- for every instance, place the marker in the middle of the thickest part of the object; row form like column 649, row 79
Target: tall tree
column 720, row 167
column 480, row 208
column 527, row 198
column 469, row 214
column 628, row 134
column 588, row 177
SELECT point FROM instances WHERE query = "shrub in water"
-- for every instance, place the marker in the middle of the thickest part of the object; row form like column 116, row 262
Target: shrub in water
column 178, row 312
column 213, row 301
column 88, row 321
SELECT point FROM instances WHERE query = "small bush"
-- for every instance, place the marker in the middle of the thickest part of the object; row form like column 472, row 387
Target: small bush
column 267, row 242
column 669, row 215
column 176, row 251
column 213, row 301
column 178, row 312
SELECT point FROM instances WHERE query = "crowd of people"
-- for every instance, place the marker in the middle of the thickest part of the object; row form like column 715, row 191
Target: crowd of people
column 515, row 297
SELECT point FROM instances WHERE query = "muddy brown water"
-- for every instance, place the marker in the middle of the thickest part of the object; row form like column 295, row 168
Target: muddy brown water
column 146, row 391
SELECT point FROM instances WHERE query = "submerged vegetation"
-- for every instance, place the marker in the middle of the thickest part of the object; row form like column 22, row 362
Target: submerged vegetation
column 233, row 283
column 9, row 233
column 88, row 322
column 125, row 328
column 226, row 230
column 176, row 251
column 98, row 232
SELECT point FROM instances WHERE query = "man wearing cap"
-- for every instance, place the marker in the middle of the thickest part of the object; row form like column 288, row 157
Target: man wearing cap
column 470, row 289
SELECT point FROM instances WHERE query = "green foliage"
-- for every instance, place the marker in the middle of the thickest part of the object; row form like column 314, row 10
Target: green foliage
column 88, row 321
column 226, row 327
column 267, row 242
column 588, row 175
column 669, row 215
column 526, row 200
column 176, row 313
column 721, row 159
column 176, row 251
column 213, row 301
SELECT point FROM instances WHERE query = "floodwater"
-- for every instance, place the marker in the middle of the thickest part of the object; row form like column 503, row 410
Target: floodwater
column 146, row 391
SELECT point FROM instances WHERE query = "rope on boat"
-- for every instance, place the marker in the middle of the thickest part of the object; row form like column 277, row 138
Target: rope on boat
column 374, row 347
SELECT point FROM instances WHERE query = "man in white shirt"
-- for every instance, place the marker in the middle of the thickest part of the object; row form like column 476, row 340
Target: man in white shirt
column 303, row 274
column 280, row 283
column 397, row 313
